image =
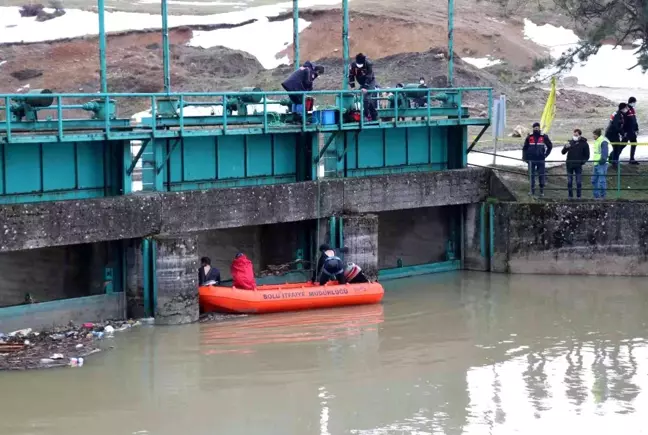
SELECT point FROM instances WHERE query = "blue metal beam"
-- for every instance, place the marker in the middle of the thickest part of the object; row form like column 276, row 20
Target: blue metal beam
column 450, row 43
column 345, row 43
column 165, row 47
column 296, row 34
column 102, row 47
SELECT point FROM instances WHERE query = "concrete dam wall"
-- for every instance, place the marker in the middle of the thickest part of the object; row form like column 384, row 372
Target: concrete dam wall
column 590, row 238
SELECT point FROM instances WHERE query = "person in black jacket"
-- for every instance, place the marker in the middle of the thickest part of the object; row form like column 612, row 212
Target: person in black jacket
column 362, row 71
column 631, row 128
column 578, row 154
column 302, row 80
column 536, row 149
column 615, row 132
column 207, row 273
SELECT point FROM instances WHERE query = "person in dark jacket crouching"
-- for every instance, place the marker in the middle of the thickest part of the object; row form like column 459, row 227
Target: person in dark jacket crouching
column 578, row 154
column 302, row 81
column 332, row 268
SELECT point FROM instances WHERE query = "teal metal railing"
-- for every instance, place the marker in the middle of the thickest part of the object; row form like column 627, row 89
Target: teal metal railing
column 261, row 114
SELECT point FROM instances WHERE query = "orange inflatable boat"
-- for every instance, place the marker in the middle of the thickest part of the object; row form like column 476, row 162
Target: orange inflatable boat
column 288, row 297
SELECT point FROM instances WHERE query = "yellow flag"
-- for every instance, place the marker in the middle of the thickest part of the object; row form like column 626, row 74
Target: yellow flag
column 549, row 112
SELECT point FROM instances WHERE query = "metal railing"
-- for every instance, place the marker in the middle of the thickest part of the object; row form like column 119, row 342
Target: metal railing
column 267, row 112
column 623, row 181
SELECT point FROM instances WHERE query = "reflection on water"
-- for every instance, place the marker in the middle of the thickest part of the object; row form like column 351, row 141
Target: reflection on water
column 459, row 353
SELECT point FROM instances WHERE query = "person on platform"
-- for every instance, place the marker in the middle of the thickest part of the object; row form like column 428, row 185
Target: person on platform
column 243, row 273
column 615, row 132
column 631, row 128
column 302, row 80
column 207, row 273
column 354, row 275
column 536, row 149
column 577, row 150
column 600, row 151
column 361, row 71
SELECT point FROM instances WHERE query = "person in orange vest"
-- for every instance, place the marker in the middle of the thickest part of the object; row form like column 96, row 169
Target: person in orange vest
column 536, row 149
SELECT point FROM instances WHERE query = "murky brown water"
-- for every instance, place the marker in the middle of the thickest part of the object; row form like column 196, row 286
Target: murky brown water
column 453, row 353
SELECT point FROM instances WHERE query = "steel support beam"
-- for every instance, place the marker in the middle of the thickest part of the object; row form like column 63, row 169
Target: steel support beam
column 296, row 34
column 165, row 47
column 345, row 43
column 102, row 47
column 450, row 43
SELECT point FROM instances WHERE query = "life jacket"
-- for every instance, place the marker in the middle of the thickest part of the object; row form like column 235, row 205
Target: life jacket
column 597, row 148
column 243, row 273
column 352, row 270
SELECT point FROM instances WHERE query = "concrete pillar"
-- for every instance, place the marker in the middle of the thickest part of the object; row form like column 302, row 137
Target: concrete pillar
column 361, row 239
column 177, row 280
column 135, row 308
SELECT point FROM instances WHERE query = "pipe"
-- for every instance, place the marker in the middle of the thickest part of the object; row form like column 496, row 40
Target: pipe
column 345, row 43
column 165, row 47
column 450, row 43
column 296, row 34
column 102, row 47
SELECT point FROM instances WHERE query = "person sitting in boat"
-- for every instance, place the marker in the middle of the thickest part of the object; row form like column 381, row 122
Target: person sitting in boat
column 354, row 275
column 208, row 275
column 332, row 268
column 243, row 273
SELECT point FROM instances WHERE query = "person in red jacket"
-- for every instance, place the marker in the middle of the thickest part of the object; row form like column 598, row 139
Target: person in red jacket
column 243, row 273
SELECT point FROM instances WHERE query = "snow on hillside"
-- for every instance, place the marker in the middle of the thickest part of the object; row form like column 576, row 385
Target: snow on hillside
column 76, row 23
column 277, row 35
column 608, row 68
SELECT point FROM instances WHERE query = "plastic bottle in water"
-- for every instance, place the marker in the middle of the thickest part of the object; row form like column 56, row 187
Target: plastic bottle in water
column 76, row 362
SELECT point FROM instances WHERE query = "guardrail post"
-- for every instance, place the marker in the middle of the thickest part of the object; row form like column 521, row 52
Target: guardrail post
column 618, row 178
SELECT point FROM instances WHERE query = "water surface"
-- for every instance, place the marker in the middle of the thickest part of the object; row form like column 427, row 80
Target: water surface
column 457, row 353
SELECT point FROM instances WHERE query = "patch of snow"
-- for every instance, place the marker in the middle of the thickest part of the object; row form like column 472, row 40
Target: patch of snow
column 481, row 62
column 608, row 68
column 76, row 23
column 187, row 3
column 2, row 62
column 276, row 35
column 556, row 39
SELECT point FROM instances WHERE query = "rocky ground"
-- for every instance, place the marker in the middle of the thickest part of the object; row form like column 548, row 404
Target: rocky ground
column 60, row 347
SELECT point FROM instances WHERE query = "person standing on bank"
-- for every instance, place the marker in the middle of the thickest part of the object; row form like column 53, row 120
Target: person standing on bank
column 600, row 155
column 536, row 149
column 615, row 132
column 362, row 71
column 631, row 128
column 577, row 150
